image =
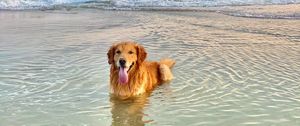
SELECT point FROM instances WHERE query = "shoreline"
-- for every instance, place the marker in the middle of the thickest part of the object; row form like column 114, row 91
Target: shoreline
column 279, row 11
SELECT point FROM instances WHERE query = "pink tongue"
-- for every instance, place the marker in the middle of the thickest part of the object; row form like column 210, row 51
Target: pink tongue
column 123, row 76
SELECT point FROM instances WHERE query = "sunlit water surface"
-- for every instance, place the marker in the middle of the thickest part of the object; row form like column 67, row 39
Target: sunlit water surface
column 229, row 71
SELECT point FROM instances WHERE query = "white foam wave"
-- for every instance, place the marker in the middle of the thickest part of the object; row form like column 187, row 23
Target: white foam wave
column 195, row 3
column 30, row 4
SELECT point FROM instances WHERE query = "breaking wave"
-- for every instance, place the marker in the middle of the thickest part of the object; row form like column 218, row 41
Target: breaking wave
column 38, row 4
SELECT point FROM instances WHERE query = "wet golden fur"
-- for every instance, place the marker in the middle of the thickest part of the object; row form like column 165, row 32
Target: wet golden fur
column 143, row 76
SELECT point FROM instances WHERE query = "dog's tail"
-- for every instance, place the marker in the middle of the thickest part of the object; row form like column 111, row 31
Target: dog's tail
column 165, row 69
column 169, row 62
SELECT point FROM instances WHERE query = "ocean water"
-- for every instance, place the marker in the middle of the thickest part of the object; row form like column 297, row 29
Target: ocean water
column 230, row 71
column 50, row 4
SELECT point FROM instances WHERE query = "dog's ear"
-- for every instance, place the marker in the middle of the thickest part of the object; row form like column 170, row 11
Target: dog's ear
column 141, row 54
column 110, row 54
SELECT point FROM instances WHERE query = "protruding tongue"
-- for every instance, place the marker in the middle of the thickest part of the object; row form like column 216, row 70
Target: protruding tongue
column 123, row 76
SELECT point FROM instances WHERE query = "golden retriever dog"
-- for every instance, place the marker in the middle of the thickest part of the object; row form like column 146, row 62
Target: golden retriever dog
column 130, row 74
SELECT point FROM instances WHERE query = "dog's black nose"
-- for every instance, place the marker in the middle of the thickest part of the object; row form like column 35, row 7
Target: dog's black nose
column 122, row 62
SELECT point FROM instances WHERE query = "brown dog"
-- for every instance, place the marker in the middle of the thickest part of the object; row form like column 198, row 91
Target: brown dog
column 130, row 74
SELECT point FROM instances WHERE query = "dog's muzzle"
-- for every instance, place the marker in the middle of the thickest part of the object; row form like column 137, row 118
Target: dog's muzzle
column 122, row 63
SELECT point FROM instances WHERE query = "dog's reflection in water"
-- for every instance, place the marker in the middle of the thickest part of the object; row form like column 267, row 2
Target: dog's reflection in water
column 128, row 111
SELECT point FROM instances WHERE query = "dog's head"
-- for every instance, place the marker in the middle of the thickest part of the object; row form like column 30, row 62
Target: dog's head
column 126, row 56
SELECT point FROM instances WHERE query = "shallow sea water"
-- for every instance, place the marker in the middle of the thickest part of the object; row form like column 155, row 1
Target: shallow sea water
column 230, row 70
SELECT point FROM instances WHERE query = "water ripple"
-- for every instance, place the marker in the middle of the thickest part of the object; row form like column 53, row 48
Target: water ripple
column 239, row 72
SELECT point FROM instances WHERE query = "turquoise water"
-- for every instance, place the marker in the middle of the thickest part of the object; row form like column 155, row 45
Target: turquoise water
column 230, row 70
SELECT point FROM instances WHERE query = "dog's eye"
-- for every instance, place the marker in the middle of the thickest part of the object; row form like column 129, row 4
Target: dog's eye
column 130, row 52
column 118, row 52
